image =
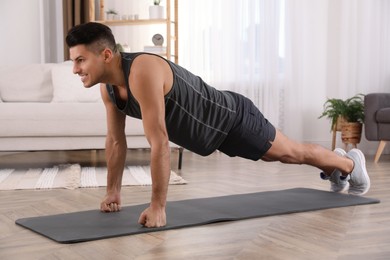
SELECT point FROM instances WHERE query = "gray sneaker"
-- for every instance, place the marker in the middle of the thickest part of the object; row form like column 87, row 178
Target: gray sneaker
column 359, row 182
column 338, row 183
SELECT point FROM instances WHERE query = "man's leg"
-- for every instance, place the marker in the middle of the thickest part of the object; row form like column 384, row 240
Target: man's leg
column 352, row 166
column 286, row 150
column 253, row 137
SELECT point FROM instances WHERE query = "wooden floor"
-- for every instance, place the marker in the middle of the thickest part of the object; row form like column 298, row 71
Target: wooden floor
column 358, row 232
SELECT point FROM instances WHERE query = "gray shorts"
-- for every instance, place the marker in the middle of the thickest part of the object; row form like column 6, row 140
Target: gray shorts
column 251, row 134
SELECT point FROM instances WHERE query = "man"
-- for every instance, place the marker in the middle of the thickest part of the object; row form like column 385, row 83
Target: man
column 176, row 105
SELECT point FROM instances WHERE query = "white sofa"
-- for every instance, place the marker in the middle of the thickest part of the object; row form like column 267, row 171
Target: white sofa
column 46, row 107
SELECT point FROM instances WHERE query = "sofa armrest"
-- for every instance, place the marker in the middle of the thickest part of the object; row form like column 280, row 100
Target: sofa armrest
column 372, row 103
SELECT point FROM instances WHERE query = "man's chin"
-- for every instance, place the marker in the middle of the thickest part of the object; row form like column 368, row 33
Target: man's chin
column 87, row 85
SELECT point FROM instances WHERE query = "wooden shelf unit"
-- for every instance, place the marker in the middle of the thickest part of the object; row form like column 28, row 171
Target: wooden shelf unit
column 171, row 35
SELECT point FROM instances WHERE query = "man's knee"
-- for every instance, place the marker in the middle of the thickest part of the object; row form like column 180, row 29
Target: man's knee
column 284, row 150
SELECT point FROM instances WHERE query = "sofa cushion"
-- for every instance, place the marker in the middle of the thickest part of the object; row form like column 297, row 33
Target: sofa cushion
column 383, row 115
column 26, row 83
column 67, row 87
column 58, row 119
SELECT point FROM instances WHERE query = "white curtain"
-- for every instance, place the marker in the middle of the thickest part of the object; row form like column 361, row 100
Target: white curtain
column 334, row 48
column 364, row 47
column 305, row 69
column 234, row 45
column 51, row 31
column 288, row 56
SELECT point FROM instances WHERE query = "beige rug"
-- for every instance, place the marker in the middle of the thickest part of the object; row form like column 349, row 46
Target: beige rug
column 73, row 176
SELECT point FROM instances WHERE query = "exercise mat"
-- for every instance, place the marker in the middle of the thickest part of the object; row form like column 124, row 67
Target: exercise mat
column 93, row 224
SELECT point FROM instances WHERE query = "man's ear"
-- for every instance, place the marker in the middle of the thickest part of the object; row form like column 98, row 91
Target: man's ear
column 107, row 54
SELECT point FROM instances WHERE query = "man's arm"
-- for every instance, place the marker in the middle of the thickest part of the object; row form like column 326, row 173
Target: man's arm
column 149, row 82
column 116, row 148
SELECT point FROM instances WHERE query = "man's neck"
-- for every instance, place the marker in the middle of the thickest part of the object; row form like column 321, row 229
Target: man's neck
column 114, row 72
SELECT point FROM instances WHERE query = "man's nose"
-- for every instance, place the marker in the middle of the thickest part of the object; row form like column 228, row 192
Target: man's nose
column 76, row 69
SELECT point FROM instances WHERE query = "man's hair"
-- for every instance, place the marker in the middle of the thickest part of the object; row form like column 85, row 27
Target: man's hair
column 95, row 36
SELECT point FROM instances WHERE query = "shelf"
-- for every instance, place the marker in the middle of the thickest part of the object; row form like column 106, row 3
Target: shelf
column 133, row 22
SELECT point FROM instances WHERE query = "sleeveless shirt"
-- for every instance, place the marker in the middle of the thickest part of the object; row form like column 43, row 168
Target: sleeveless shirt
column 198, row 117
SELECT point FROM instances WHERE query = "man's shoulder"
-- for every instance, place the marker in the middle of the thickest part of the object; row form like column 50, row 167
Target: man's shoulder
column 149, row 66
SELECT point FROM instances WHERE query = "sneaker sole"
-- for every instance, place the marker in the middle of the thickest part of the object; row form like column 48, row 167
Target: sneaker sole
column 340, row 152
column 343, row 153
column 367, row 178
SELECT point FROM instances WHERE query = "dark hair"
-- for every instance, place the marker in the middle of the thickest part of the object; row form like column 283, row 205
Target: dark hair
column 91, row 33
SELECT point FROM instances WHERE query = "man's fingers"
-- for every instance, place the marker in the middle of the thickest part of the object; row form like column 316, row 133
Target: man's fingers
column 105, row 208
column 115, row 207
column 142, row 219
column 145, row 221
column 112, row 207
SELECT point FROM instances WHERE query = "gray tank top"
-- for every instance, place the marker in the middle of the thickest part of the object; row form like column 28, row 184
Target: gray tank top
column 198, row 117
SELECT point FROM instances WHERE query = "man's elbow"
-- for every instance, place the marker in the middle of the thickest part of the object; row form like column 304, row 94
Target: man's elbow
column 112, row 141
column 161, row 143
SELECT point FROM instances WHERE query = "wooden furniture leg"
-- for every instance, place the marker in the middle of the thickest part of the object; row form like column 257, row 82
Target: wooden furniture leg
column 381, row 146
column 181, row 149
column 94, row 157
column 334, row 138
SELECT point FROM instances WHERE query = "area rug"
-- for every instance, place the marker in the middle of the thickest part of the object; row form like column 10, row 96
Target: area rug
column 74, row 176
column 93, row 224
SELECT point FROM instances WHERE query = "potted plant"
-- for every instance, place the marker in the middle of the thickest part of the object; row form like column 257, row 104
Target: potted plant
column 119, row 47
column 354, row 109
column 333, row 110
column 110, row 14
column 156, row 11
column 347, row 116
column 351, row 130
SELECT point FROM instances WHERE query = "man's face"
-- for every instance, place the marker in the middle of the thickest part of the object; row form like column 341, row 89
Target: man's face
column 87, row 64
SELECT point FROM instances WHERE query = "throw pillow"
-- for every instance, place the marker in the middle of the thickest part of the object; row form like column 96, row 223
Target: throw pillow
column 26, row 83
column 67, row 87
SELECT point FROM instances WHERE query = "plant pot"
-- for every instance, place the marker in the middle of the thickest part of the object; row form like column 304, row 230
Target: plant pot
column 156, row 12
column 351, row 133
column 340, row 121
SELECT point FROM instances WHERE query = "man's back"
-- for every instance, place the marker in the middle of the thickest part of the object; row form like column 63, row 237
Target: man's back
column 198, row 117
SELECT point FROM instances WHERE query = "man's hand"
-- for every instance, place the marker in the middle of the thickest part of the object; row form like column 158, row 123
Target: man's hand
column 111, row 202
column 153, row 217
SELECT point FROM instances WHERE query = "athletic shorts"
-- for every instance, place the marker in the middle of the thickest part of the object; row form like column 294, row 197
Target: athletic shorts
column 251, row 134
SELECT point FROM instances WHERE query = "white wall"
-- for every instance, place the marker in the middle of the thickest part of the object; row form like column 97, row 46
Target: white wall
column 20, row 32
column 29, row 31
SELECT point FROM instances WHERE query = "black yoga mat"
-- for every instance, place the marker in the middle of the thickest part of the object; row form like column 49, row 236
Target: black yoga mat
column 93, row 224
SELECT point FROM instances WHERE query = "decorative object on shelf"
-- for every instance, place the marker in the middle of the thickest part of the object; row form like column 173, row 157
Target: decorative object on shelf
column 158, row 39
column 123, row 47
column 111, row 14
column 156, row 11
column 130, row 17
column 158, row 48
column 126, row 47
column 347, row 116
